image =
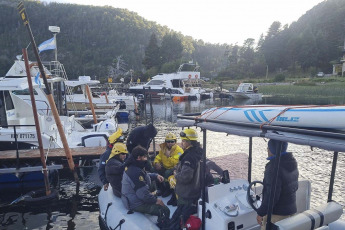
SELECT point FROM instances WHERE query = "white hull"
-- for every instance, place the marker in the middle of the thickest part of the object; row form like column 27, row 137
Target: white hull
column 326, row 117
column 241, row 95
column 219, row 197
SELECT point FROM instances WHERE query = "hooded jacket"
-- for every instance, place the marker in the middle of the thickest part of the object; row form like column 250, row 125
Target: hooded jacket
column 142, row 135
column 168, row 162
column 188, row 174
column 287, row 184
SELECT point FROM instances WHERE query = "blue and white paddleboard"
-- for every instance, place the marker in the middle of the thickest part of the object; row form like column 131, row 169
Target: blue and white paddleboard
column 330, row 117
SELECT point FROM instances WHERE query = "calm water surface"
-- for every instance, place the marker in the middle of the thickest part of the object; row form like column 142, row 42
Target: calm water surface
column 79, row 209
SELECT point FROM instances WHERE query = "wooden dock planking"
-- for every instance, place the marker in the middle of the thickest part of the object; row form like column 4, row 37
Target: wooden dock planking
column 91, row 152
column 60, row 152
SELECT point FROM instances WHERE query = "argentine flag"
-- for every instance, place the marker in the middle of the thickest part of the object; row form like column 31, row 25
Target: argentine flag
column 47, row 45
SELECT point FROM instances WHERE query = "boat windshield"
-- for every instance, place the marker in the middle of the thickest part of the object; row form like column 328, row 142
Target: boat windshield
column 177, row 83
column 23, row 92
column 155, row 82
column 245, row 88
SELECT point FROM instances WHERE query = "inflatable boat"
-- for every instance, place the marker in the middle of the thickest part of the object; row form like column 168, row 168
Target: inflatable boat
column 227, row 203
column 308, row 116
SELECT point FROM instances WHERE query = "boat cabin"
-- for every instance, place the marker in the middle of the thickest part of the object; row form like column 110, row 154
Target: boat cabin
column 247, row 88
column 169, row 82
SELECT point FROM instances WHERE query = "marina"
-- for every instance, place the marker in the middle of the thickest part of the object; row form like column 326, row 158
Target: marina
column 249, row 161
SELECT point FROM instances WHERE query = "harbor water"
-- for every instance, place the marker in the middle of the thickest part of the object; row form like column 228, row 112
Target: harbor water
column 78, row 209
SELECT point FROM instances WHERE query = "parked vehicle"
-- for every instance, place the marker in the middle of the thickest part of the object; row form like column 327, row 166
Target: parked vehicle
column 320, row 74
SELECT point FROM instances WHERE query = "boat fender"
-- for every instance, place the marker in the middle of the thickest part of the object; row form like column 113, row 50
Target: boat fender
column 189, row 76
column 39, row 196
column 312, row 219
column 196, row 76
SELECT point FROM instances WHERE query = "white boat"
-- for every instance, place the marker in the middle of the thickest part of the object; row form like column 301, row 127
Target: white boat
column 231, row 205
column 180, row 84
column 78, row 100
column 246, row 91
column 17, row 113
column 294, row 116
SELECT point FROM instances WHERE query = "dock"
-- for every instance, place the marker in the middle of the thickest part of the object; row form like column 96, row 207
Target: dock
column 58, row 153
column 53, row 153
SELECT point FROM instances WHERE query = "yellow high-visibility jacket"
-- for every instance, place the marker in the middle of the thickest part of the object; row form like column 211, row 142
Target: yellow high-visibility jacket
column 168, row 162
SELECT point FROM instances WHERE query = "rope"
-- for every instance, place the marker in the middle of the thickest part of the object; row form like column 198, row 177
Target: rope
column 51, row 139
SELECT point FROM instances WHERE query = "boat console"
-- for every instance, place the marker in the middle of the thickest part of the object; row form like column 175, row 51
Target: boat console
column 227, row 207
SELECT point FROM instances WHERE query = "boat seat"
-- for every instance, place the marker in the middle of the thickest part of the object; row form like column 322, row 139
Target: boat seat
column 93, row 140
column 312, row 218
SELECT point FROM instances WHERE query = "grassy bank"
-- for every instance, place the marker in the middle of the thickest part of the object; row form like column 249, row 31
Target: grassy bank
column 323, row 90
column 306, row 87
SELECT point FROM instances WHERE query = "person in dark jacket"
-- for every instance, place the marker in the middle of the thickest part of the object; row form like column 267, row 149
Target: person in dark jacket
column 115, row 137
column 142, row 136
column 284, row 203
column 187, row 177
column 115, row 167
column 136, row 183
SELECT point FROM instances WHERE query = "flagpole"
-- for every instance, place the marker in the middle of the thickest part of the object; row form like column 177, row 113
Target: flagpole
column 55, row 30
column 55, row 47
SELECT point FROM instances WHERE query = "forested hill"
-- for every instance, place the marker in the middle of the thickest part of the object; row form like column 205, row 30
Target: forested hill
column 93, row 39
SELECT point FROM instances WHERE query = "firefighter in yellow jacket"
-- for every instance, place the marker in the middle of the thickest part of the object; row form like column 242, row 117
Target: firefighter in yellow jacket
column 166, row 160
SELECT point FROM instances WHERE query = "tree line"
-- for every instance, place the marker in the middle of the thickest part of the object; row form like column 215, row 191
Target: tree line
column 104, row 41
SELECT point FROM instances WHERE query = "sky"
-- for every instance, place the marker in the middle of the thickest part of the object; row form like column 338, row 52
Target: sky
column 214, row 21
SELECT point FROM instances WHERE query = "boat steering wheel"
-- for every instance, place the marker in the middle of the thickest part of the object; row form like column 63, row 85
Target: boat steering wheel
column 253, row 196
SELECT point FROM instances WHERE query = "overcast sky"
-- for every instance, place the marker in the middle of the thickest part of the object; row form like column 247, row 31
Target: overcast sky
column 215, row 21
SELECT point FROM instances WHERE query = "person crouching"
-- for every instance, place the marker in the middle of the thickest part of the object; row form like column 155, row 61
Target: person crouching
column 136, row 184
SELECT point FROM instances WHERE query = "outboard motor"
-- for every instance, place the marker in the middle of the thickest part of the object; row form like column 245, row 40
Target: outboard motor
column 108, row 125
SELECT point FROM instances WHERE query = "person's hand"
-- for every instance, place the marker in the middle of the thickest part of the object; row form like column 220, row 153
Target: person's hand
column 105, row 186
column 160, row 202
column 158, row 166
column 259, row 220
column 160, row 178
